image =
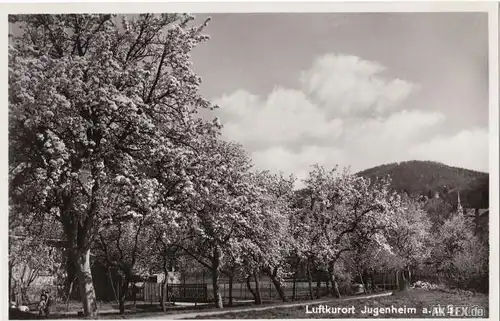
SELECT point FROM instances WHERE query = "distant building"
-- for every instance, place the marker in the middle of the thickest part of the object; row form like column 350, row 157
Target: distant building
column 172, row 278
column 460, row 210
column 477, row 219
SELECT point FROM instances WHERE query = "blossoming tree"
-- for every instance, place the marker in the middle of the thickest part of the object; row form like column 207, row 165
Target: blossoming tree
column 219, row 207
column 269, row 230
column 93, row 98
column 343, row 207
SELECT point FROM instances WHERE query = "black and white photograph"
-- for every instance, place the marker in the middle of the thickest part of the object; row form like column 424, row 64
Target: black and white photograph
column 207, row 162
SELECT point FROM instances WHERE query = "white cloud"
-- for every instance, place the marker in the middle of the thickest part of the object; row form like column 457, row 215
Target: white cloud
column 400, row 127
column 285, row 116
column 351, row 85
column 345, row 114
column 372, row 142
column 468, row 148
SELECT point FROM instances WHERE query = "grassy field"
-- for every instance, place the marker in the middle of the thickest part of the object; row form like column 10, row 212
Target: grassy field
column 110, row 310
column 418, row 299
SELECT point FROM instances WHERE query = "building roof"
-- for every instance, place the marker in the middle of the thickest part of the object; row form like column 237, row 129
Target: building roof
column 472, row 211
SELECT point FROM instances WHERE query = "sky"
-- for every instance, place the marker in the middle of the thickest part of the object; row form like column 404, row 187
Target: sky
column 349, row 89
column 356, row 90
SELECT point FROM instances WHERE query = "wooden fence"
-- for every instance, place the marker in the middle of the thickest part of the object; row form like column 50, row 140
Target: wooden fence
column 201, row 290
column 151, row 292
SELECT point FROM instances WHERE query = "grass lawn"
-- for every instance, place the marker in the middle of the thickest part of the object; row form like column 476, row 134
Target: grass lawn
column 110, row 310
column 416, row 298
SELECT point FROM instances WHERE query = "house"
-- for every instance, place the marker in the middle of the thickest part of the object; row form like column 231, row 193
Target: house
column 477, row 218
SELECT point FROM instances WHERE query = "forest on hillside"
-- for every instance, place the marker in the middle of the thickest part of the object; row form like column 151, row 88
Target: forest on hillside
column 425, row 178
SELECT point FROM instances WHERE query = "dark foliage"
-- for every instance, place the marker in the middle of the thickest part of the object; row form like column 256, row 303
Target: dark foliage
column 425, row 178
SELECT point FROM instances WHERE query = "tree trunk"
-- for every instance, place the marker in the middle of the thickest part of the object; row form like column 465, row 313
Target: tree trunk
column 164, row 294
column 335, row 286
column 318, row 286
column 231, row 289
column 277, row 284
column 164, row 288
column 403, row 286
column 372, row 281
column 258, row 297
column 294, row 288
column 397, row 279
column 87, row 291
column 69, row 293
column 215, row 279
column 249, row 286
column 331, row 276
column 362, row 281
column 123, row 294
column 112, row 285
column 11, row 292
column 121, row 306
column 24, row 294
column 18, row 295
column 71, row 286
column 279, row 288
column 134, row 295
column 309, row 279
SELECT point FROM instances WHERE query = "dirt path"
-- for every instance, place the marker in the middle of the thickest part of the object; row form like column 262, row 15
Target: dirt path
column 191, row 315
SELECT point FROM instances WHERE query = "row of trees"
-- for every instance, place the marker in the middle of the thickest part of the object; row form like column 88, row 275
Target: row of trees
column 105, row 139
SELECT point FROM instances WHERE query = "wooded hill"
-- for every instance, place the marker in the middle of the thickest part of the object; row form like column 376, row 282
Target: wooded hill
column 425, row 178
